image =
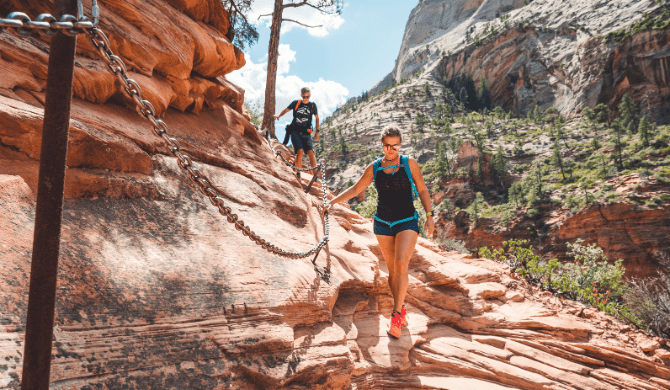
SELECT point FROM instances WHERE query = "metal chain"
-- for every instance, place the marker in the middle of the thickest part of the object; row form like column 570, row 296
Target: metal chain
column 71, row 25
column 47, row 23
column 278, row 153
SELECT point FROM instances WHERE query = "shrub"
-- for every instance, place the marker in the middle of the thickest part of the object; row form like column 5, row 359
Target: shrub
column 589, row 278
column 449, row 244
column 649, row 300
column 368, row 207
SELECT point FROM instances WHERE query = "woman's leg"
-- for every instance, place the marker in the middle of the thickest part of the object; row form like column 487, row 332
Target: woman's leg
column 387, row 246
column 405, row 241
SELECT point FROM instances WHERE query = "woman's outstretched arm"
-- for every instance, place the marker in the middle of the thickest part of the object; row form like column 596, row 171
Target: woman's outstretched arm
column 356, row 189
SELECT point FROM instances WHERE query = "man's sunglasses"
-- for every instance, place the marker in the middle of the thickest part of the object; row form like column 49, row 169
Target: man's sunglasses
column 396, row 146
column 306, row 96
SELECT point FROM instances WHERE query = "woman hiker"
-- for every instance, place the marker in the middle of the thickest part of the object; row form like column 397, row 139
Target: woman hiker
column 396, row 227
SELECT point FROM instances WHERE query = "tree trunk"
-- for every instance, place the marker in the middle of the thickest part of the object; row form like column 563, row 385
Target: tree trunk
column 273, row 54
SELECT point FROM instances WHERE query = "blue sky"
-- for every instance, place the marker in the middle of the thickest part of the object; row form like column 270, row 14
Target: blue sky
column 350, row 54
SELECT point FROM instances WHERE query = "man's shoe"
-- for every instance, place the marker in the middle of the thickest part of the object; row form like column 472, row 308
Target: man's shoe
column 403, row 316
column 298, row 174
column 395, row 328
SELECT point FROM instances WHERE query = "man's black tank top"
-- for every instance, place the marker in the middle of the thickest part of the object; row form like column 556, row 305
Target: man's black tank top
column 394, row 196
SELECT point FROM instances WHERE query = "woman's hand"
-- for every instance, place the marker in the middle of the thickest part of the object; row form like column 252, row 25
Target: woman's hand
column 429, row 226
column 326, row 208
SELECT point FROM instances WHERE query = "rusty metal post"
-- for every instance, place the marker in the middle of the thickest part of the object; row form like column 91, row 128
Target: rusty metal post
column 49, row 208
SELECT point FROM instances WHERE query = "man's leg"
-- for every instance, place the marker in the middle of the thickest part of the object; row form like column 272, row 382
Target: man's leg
column 312, row 161
column 387, row 246
column 405, row 241
column 298, row 158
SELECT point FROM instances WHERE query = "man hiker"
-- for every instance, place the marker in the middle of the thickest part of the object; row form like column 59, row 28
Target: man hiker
column 300, row 128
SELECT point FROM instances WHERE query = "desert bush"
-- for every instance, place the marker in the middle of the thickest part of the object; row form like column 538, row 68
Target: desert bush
column 449, row 244
column 589, row 279
column 368, row 207
column 649, row 300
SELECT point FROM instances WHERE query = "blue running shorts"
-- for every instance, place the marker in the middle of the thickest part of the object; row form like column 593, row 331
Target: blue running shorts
column 382, row 229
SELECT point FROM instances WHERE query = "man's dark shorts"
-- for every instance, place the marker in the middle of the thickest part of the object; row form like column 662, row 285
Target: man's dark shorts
column 301, row 141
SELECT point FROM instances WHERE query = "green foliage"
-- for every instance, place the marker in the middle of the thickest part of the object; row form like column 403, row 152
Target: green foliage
column 657, row 20
column 644, row 129
column 450, row 244
column 537, row 115
column 441, row 162
column 603, row 113
column 476, row 206
column 368, row 207
column 595, row 144
column 590, row 116
column 649, row 302
column 484, row 94
column 422, row 216
column 515, row 194
column 241, row 32
column 488, row 124
column 617, row 130
column 255, row 112
column 421, row 120
column 557, row 159
column 628, row 112
column 589, row 278
column 499, row 164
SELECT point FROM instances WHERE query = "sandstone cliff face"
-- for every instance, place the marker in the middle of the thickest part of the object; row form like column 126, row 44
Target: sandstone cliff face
column 557, row 58
column 430, row 20
column 157, row 291
column 566, row 68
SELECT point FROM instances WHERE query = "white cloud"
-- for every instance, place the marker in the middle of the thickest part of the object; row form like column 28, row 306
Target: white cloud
column 305, row 14
column 286, row 56
column 327, row 94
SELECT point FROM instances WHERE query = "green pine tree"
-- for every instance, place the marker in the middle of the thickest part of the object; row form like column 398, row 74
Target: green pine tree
column 591, row 117
column 644, row 128
column 537, row 115
column 499, row 166
column 489, row 126
column 604, row 113
column 617, row 130
column 628, row 112
column 539, row 177
column 480, row 168
column 595, row 144
column 484, row 93
column 557, row 159
column 515, row 193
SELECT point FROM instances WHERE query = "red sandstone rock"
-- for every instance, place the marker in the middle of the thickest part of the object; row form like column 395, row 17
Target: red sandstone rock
column 156, row 290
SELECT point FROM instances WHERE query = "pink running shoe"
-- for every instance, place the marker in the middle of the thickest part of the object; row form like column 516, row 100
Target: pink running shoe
column 395, row 328
column 403, row 316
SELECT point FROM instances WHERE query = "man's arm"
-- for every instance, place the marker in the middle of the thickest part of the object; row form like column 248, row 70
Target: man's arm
column 316, row 136
column 281, row 114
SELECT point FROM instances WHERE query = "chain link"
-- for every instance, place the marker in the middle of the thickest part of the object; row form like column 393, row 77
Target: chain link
column 46, row 23
column 199, row 179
